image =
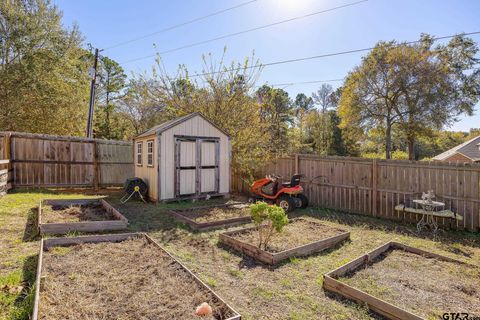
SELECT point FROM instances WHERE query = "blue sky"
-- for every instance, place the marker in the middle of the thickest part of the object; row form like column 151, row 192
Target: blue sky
column 108, row 22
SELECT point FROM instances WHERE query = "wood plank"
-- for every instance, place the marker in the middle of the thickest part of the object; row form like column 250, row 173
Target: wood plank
column 83, row 226
column 374, row 187
column 382, row 307
column 271, row 258
column 236, row 315
column 36, row 301
column 425, row 253
column 69, row 241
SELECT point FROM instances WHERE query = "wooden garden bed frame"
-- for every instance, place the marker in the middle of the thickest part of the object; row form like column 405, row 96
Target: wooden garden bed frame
column 120, row 222
column 204, row 226
column 46, row 244
column 274, row 258
column 332, row 284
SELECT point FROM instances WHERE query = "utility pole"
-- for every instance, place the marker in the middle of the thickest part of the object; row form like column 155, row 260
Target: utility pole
column 92, row 97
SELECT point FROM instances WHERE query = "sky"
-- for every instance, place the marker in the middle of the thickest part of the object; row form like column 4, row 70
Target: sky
column 110, row 22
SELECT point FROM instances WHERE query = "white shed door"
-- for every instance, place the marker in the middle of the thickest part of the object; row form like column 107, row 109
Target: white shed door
column 196, row 165
column 209, row 167
column 188, row 167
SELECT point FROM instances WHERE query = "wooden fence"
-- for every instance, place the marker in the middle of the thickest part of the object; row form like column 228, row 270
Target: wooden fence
column 5, row 166
column 56, row 161
column 375, row 187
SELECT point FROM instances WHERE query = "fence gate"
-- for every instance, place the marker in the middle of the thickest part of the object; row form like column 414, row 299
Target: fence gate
column 196, row 166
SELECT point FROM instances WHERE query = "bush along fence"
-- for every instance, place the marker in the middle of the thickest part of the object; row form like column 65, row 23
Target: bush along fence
column 35, row 160
column 374, row 187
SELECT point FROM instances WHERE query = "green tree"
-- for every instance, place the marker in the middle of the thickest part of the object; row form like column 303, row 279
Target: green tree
column 369, row 96
column 223, row 97
column 473, row 133
column 324, row 134
column 416, row 88
column 111, row 84
column 297, row 135
column 436, row 85
column 143, row 105
column 43, row 70
column 269, row 219
column 277, row 110
column 322, row 130
column 304, row 103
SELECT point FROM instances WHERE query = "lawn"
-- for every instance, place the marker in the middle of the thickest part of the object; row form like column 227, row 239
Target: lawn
column 291, row 290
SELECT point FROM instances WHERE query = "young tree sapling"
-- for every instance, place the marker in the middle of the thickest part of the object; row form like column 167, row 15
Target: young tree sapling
column 269, row 219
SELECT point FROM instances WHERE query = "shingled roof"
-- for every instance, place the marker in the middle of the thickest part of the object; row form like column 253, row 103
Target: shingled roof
column 470, row 149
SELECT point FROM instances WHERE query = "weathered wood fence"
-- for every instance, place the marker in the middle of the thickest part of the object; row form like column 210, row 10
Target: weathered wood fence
column 375, row 187
column 5, row 166
column 36, row 160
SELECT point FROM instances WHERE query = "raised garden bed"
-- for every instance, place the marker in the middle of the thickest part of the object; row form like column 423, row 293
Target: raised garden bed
column 402, row 282
column 81, row 215
column 121, row 276
column 301, row 237
column 215, row 216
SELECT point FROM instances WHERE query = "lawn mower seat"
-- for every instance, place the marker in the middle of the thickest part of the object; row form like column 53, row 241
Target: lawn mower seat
column 294, row 182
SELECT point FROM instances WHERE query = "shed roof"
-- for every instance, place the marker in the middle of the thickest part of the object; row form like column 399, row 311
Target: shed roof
column 174, row 122
column 470, row 149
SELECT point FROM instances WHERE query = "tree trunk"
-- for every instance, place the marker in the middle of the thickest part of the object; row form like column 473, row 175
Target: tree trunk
column 107, row 122
column 411, row 148
column 388, row 141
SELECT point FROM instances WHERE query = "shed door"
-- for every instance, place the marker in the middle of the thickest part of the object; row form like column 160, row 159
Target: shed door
column 209, row 169
column 196, row 166
column 188, row 167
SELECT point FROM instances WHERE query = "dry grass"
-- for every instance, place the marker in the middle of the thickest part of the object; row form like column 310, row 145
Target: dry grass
column 216, row 213
column 128, row 280
column 296, row 233
column 424, row 286
column 74, row 213
column 292, row 290
column 19, row 249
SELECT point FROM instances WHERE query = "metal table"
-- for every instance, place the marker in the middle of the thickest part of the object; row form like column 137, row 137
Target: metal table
column 428, row 217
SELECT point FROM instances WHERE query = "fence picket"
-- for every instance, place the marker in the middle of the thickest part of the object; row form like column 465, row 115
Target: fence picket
column 375, row 187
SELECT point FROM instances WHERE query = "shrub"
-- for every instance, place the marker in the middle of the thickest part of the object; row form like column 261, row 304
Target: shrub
column 269, row 219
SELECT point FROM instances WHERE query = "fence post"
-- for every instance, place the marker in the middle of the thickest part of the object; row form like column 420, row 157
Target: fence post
column 374, row 187
column 296, row 163
column 8, row 155
column 95, row 166
column 5, row 157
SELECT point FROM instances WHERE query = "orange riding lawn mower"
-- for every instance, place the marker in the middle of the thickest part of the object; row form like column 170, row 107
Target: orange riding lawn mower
column 288, row 195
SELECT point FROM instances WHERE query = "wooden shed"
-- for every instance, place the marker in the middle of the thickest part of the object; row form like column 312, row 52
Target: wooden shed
column 187, row 157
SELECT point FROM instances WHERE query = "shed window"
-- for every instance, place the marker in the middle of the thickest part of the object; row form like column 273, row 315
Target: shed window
column 150, row 153
column 139, row 153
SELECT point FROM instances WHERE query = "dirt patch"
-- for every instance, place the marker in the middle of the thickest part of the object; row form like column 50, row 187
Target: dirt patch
column 216, row 213
column 424, row 286
column 74, row 213
column 127, row 280
column 297, row 233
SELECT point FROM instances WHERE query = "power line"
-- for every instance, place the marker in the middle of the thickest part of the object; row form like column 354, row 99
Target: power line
column 288, row 84
column 180, row 25
column 244, row 31
column 321, row 56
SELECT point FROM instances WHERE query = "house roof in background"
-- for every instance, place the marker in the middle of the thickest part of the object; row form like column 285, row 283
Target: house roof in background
column 470, row 149
column 174, row 122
